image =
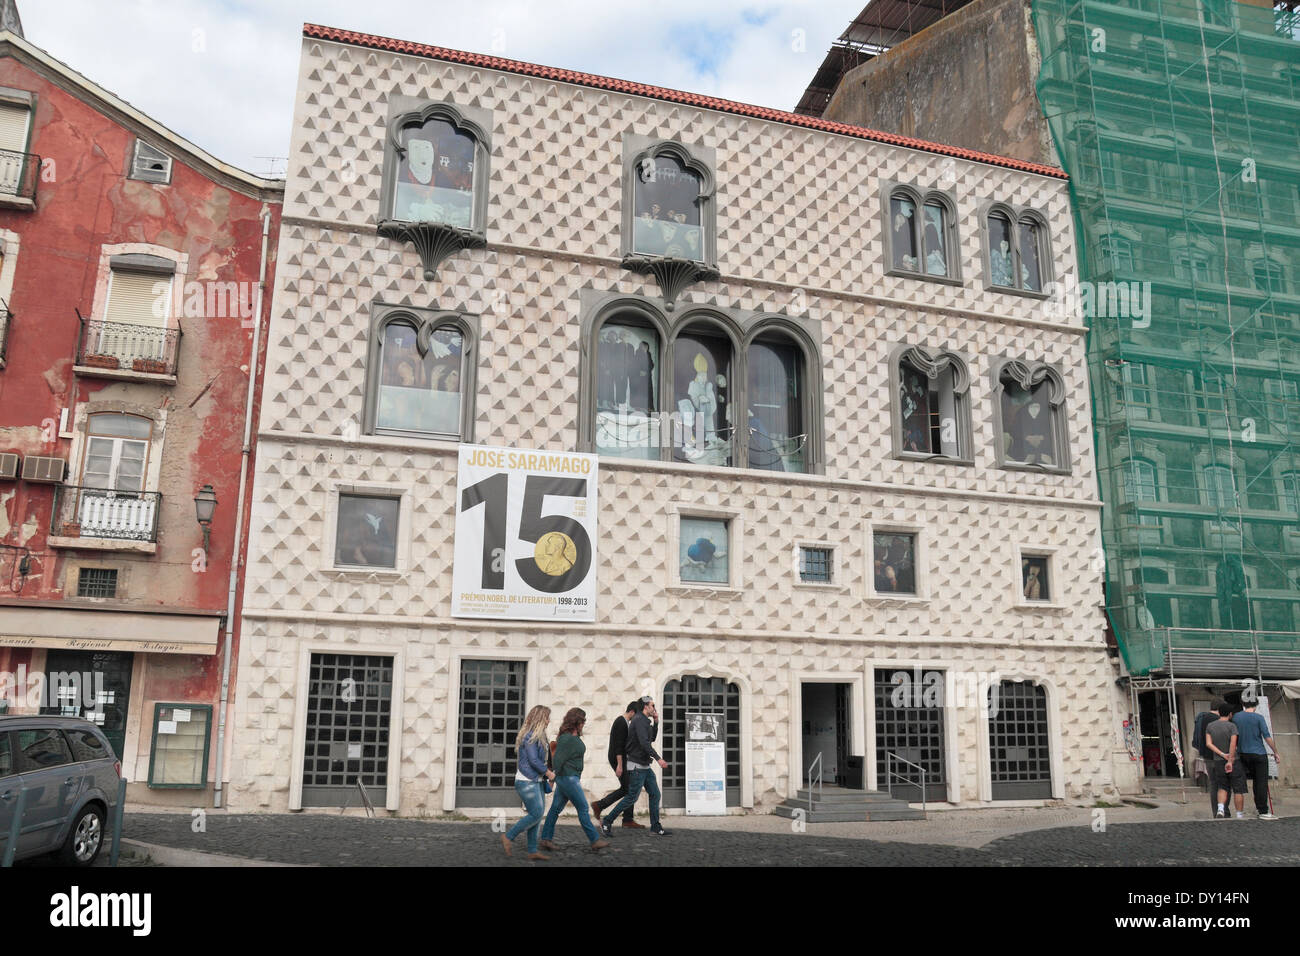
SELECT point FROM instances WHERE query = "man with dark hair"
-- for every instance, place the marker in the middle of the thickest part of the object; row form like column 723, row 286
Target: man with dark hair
column 617, row 750
column 1221, row 737
column 1203, row 721
column 639, row 755
column 1253, row 733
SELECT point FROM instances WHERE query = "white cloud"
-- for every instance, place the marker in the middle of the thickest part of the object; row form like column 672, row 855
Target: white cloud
column 223, row 73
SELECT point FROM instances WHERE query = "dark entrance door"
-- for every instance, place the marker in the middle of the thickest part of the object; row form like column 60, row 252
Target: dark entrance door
column 909, row 724
column 1019, row 755
column 825, row 726
column 491, row 712
column 1156, row 725
column 703, row 695
column 349, row 700
column 94, row 685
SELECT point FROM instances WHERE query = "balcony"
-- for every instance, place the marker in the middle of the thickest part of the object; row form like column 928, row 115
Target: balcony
column 104, row 519
column 121, row 350
column 19, row 174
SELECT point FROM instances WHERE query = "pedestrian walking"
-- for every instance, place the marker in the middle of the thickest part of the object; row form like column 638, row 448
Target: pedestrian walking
column 1221, row 737
column 532, row 780
column 569, row 753
column 1203, row 721
column 617, row 748
column 1252, row 736
column 639, row 754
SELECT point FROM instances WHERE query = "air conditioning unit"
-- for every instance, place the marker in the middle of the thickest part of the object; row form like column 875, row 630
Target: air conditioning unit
column 8, row 466
column 36, row 468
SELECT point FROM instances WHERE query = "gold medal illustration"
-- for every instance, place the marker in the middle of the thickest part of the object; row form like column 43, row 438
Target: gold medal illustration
column 555, row 553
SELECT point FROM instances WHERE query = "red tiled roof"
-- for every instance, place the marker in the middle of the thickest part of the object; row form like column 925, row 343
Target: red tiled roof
column 660, row 93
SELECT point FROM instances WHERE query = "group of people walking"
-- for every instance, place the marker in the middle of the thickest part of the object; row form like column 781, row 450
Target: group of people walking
column 546, row 766
column 1235, row 743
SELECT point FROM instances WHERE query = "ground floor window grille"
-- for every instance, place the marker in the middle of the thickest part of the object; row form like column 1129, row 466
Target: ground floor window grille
column 909, row 724
column 349, row 706
column 692, row 695
column 1019, row 754
column 492, row 698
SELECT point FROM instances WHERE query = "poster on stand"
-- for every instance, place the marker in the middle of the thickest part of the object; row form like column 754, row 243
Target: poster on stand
column 706, row 765
column 525, row 535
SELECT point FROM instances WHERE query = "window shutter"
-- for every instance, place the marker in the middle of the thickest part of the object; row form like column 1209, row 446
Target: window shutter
column 13, row 127
column 133, row 298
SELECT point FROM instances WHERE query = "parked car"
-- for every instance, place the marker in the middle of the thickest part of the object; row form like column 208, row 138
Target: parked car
column 70, row 774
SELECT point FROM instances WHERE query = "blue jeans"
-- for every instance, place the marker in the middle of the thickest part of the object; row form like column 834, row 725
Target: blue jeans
column 535, row 803
column 636, row 780
column 569, row 790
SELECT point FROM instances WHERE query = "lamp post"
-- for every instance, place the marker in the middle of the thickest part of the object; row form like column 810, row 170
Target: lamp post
column 205, row 505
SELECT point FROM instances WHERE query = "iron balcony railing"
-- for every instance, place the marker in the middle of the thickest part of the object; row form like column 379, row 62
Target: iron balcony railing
column 19, row 174
column 105, row 513
column 128, row 347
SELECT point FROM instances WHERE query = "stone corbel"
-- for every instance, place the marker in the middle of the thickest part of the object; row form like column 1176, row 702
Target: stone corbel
column 433, row 241
column 673, row 275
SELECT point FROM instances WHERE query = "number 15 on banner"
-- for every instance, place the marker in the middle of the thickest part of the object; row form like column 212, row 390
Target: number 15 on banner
column 525, row 535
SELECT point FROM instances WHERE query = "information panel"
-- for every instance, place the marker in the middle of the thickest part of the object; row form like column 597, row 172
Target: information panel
column 525, row 535
column 706, row 765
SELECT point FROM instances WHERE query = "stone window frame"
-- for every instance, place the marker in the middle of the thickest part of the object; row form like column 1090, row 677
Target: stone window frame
column 1030, row 373
column 939, row 359
column 370, row 489
column 149, row 176
column 735, row 521
column 1017, row 215
column 467, row 324
column 920, row 557
column 1051, row 554
column 701, row 160
column 835, row 566
column 952, row 240
column 741, row 328
column 405, row 111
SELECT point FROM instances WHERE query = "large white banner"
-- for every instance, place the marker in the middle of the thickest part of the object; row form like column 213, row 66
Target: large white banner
column 525, row 535
column 706, row 765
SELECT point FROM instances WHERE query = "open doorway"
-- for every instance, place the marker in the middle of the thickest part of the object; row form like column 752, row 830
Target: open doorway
column 825, row 721
column 1157, row 728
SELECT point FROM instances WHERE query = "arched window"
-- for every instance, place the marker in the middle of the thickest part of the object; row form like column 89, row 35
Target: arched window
column 1031, row 422
column 112, row 500
column 628, row 356
column 920, row 233
column 436, row 172
column 777, row 436
column 702, row 396
column 117, row 451
column 421, row 374
column 666, row 198
column 931, row 412
column 1016, row 249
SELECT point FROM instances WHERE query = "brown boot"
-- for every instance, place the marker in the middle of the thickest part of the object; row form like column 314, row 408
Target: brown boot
column 599, row 845
column 633, row 825
column 547, row 845
column 538, row 856
column 505, row 844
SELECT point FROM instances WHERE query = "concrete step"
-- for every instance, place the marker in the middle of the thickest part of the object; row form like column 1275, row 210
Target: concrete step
column 843, row 796
column 843, row 814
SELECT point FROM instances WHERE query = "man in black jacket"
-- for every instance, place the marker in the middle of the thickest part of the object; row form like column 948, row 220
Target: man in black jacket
column 617, row 748
column 639, row 755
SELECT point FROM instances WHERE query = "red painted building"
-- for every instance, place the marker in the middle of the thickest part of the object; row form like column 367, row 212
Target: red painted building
column 133, row 276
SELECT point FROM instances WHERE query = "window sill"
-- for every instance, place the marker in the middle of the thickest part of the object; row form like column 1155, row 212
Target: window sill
column 1039, row 469
column 822, row 586
column 1046, row 606
column 929, row 456
column 343, row 572
column 1011, row 290
column 900, row 600
column 724, row 591
column 102, row 544
column 926, row 277
column 18, row 202
column 123, row 374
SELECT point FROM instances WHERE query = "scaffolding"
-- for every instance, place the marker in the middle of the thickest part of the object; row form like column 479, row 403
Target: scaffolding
column 1179, row 123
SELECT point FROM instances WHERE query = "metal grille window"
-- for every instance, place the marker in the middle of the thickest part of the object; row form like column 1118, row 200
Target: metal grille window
column 909, row 724
column 706, row 695
column 97, row 582
column 349, row 705
column 1019, row 755
column 815, row 565
column 492, row 699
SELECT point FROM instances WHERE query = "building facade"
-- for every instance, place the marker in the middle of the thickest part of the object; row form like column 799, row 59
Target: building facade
column 846, row 479
column 131, row 282
column 1177, row 121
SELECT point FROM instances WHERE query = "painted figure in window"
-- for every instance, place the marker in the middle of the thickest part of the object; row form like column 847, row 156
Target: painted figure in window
column 1027, row 424
column 894, row 565
column 367, row 532
column 776, row 435
column 1001, row 271
column 1030, row 268
column 902, row 218
column 704, row 551
column 702, row 433
column 627, row 391
column 420, row 393
column 667, row 212
column 914, row 403
column 435, row 176
column 1033, row 576
column 933, row 240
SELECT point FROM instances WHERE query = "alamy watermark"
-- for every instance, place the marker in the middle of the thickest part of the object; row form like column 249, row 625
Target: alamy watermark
column 1128, row 301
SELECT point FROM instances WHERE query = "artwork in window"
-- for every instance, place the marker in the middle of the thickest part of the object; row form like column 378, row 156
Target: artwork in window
column 777, row 440
column 933, row 238
column 895, row 563
column 1001, row 265
column 703, row 551
column 367, row 531
column 435, row 175
column 420, row 393
column 1031, row 272
column 1027, row 427
column 1034, row 585
column 627, row 391
column 701, row 389
column 928, row 411
column 666, row 209
column 902, row 212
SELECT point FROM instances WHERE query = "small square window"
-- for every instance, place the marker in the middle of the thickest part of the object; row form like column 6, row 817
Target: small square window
column 150, row 165
column 894, row 563
column 97, row 582
column 367, row 531
column 1034, row 582
column 704, row 545
column 815, row 565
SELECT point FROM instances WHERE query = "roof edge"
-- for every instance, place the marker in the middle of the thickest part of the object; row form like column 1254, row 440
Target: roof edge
column 388, row 44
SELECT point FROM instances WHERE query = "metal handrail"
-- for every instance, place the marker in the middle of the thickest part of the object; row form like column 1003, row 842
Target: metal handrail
column 19, row 174
column 105, row 513
column 128, row 346
column 818, row 764
column 889, row 773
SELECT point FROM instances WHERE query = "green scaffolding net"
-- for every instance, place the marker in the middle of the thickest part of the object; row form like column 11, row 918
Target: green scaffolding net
column 1179, row 124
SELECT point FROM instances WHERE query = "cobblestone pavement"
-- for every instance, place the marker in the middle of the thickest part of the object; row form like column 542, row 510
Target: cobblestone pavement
column 333, row 840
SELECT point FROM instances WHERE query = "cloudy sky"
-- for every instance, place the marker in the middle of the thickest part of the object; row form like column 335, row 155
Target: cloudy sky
column 222, row 72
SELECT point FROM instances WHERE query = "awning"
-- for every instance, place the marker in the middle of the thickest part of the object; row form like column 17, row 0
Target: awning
column 87, row 630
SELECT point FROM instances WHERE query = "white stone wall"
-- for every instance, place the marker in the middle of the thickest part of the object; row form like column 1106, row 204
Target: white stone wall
column 798, row 233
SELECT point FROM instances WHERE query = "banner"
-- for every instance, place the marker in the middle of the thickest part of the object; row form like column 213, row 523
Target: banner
column 525, row 535
column 706, row 765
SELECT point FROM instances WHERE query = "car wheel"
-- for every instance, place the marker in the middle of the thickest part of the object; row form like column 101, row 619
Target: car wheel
column 85, row 838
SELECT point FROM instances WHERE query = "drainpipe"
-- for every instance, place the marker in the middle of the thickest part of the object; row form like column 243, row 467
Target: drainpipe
column 239, row 510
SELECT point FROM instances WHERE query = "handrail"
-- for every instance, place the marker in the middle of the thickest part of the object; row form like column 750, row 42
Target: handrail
column 889, row 773
column 818, row 764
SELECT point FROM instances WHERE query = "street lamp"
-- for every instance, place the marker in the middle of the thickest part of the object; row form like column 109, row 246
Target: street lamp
column 205, row 504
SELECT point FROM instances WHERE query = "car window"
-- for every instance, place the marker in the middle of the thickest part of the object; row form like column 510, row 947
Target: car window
column 6, row 755
column 86, row 745
column 41, row 749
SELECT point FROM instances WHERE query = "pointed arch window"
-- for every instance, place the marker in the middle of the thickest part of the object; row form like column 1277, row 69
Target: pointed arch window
column 1029, row 400
column 930, row 404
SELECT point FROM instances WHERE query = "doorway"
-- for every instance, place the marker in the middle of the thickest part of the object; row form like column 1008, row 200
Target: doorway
column 825, row 710
column 92, row 685
column 1157, row 728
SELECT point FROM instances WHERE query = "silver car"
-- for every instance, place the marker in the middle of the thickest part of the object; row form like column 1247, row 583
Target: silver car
column 70, row 774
